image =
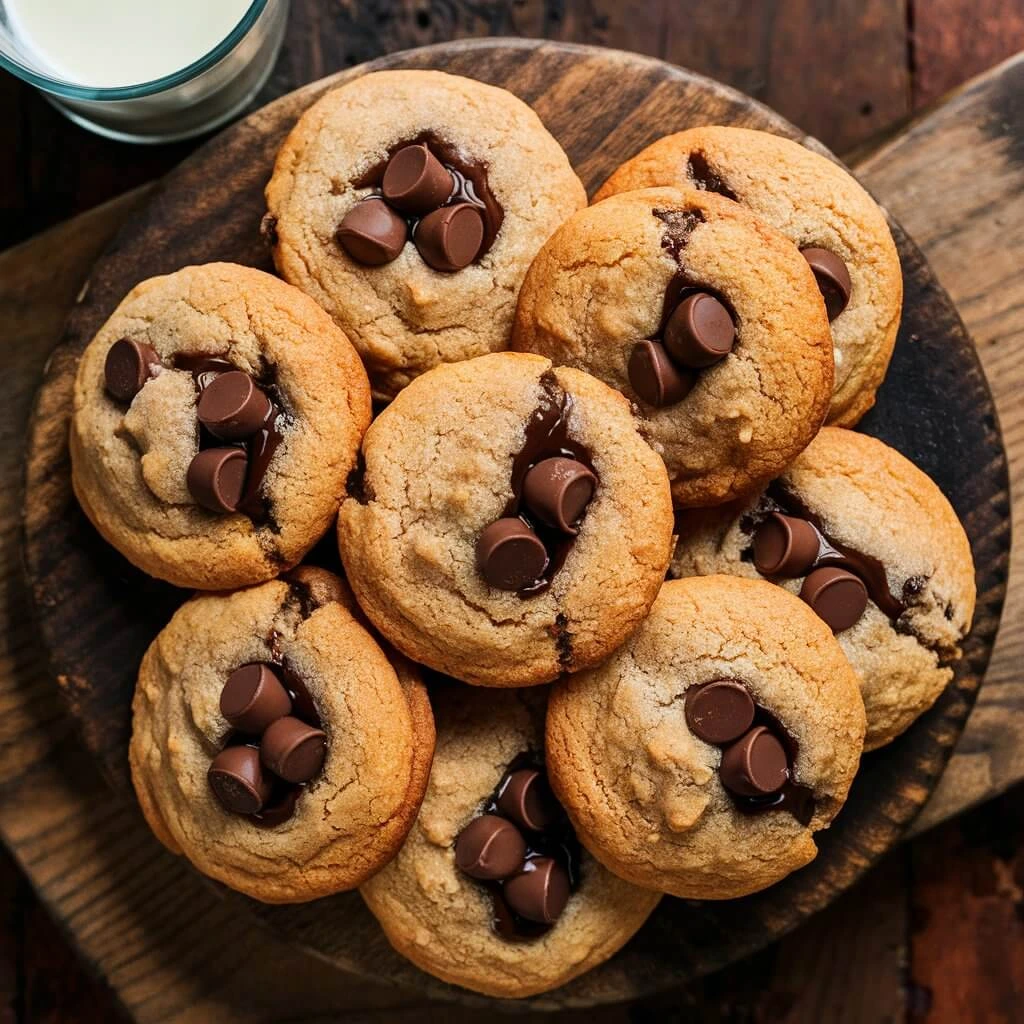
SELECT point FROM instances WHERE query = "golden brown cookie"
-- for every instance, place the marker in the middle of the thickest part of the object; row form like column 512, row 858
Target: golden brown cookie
column 274, row 742
column 509, row 523
column 217, row 414
column 707, row 319
column 490, row 846
column 852, row 506
column 420, row 262
column 816, row 204
column 702, row 757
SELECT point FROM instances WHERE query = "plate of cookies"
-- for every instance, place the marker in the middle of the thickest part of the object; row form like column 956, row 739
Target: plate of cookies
column 521, row 519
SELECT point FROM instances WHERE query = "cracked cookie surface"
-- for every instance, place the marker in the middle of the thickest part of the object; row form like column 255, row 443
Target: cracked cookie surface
column 440, row 918
column 130, row 461
column 870, row 498
column 644, row 792
column 352, row 817
column 599, row 286
column 816, row 204
column 404, row 317
column 438, row 468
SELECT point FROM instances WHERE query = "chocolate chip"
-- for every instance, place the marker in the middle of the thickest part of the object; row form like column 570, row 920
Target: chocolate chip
column 558, row 490
column 654, row 376
column 719, row 712
column 260, row 448
column 238, row 781
column 489, row 848
column 527, row 799
column 128, row 366
column 415, row 181
column 785, row 546
column 540, row 892
column 449, row 238
column 253, row 697
column 232, row 407
column 837, row 596
column 833, row 279
column 372, row 233
column 700, row 331
column 755, row 765
column 216, row 478
column 293, row 750
column 268, row 229
column 510, row 555
column 279, row 811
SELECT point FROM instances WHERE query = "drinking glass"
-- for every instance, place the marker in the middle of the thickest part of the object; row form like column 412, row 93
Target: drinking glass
column 202, row 96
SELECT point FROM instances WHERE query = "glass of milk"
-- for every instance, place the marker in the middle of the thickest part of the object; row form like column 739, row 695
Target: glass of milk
column 144, row 70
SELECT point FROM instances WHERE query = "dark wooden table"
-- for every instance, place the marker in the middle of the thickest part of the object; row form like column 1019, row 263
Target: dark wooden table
column 940, row 922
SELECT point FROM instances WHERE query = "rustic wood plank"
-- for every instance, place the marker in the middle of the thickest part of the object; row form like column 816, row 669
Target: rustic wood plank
column 55, row 985
column 50, row 169
column 12, row 896
column 951, row 41
column 956, row 180
column 837, row 68
column 846, row 965
column 41, row 976
column 967, row 959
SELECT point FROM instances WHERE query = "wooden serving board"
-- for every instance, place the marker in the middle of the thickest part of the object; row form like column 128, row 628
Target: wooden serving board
column 96, row 614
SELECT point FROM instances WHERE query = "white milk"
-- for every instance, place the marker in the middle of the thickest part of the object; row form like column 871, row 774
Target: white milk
column 108, row 43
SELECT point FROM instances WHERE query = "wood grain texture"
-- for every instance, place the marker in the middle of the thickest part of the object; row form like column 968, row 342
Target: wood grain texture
column 836, row 67
column 968, row 879
column 97, row 615
column 956, row 180
column 951, row 41
column 41, row 977
column 843, row 70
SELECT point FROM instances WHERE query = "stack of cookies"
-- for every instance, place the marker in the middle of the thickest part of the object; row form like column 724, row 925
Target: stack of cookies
column 621, row 598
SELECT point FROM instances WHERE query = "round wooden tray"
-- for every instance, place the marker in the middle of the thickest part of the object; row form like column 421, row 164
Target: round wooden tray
column 97, row 614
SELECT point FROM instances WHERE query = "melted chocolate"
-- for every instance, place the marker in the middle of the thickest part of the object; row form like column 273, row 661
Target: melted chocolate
column 259, row 448
column 355, row 485
column 793, row 797
column 678, row 226
column 268, row 229
column 470, row 185
column 705, row 177
column 558, row 841
column 280, row 806
column 547, row 435
column 830, row 552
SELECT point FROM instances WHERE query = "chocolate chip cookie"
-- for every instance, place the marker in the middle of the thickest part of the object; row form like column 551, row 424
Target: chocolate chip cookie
column 702, row 757
column 491, row 890
column 872, row 545
column 409, row 205
column 275, row 744
column 508, row 522
column 814, row 202
column 708, row 320
column 217, row 414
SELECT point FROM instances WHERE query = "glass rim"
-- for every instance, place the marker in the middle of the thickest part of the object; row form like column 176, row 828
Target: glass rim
column 69, row 90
